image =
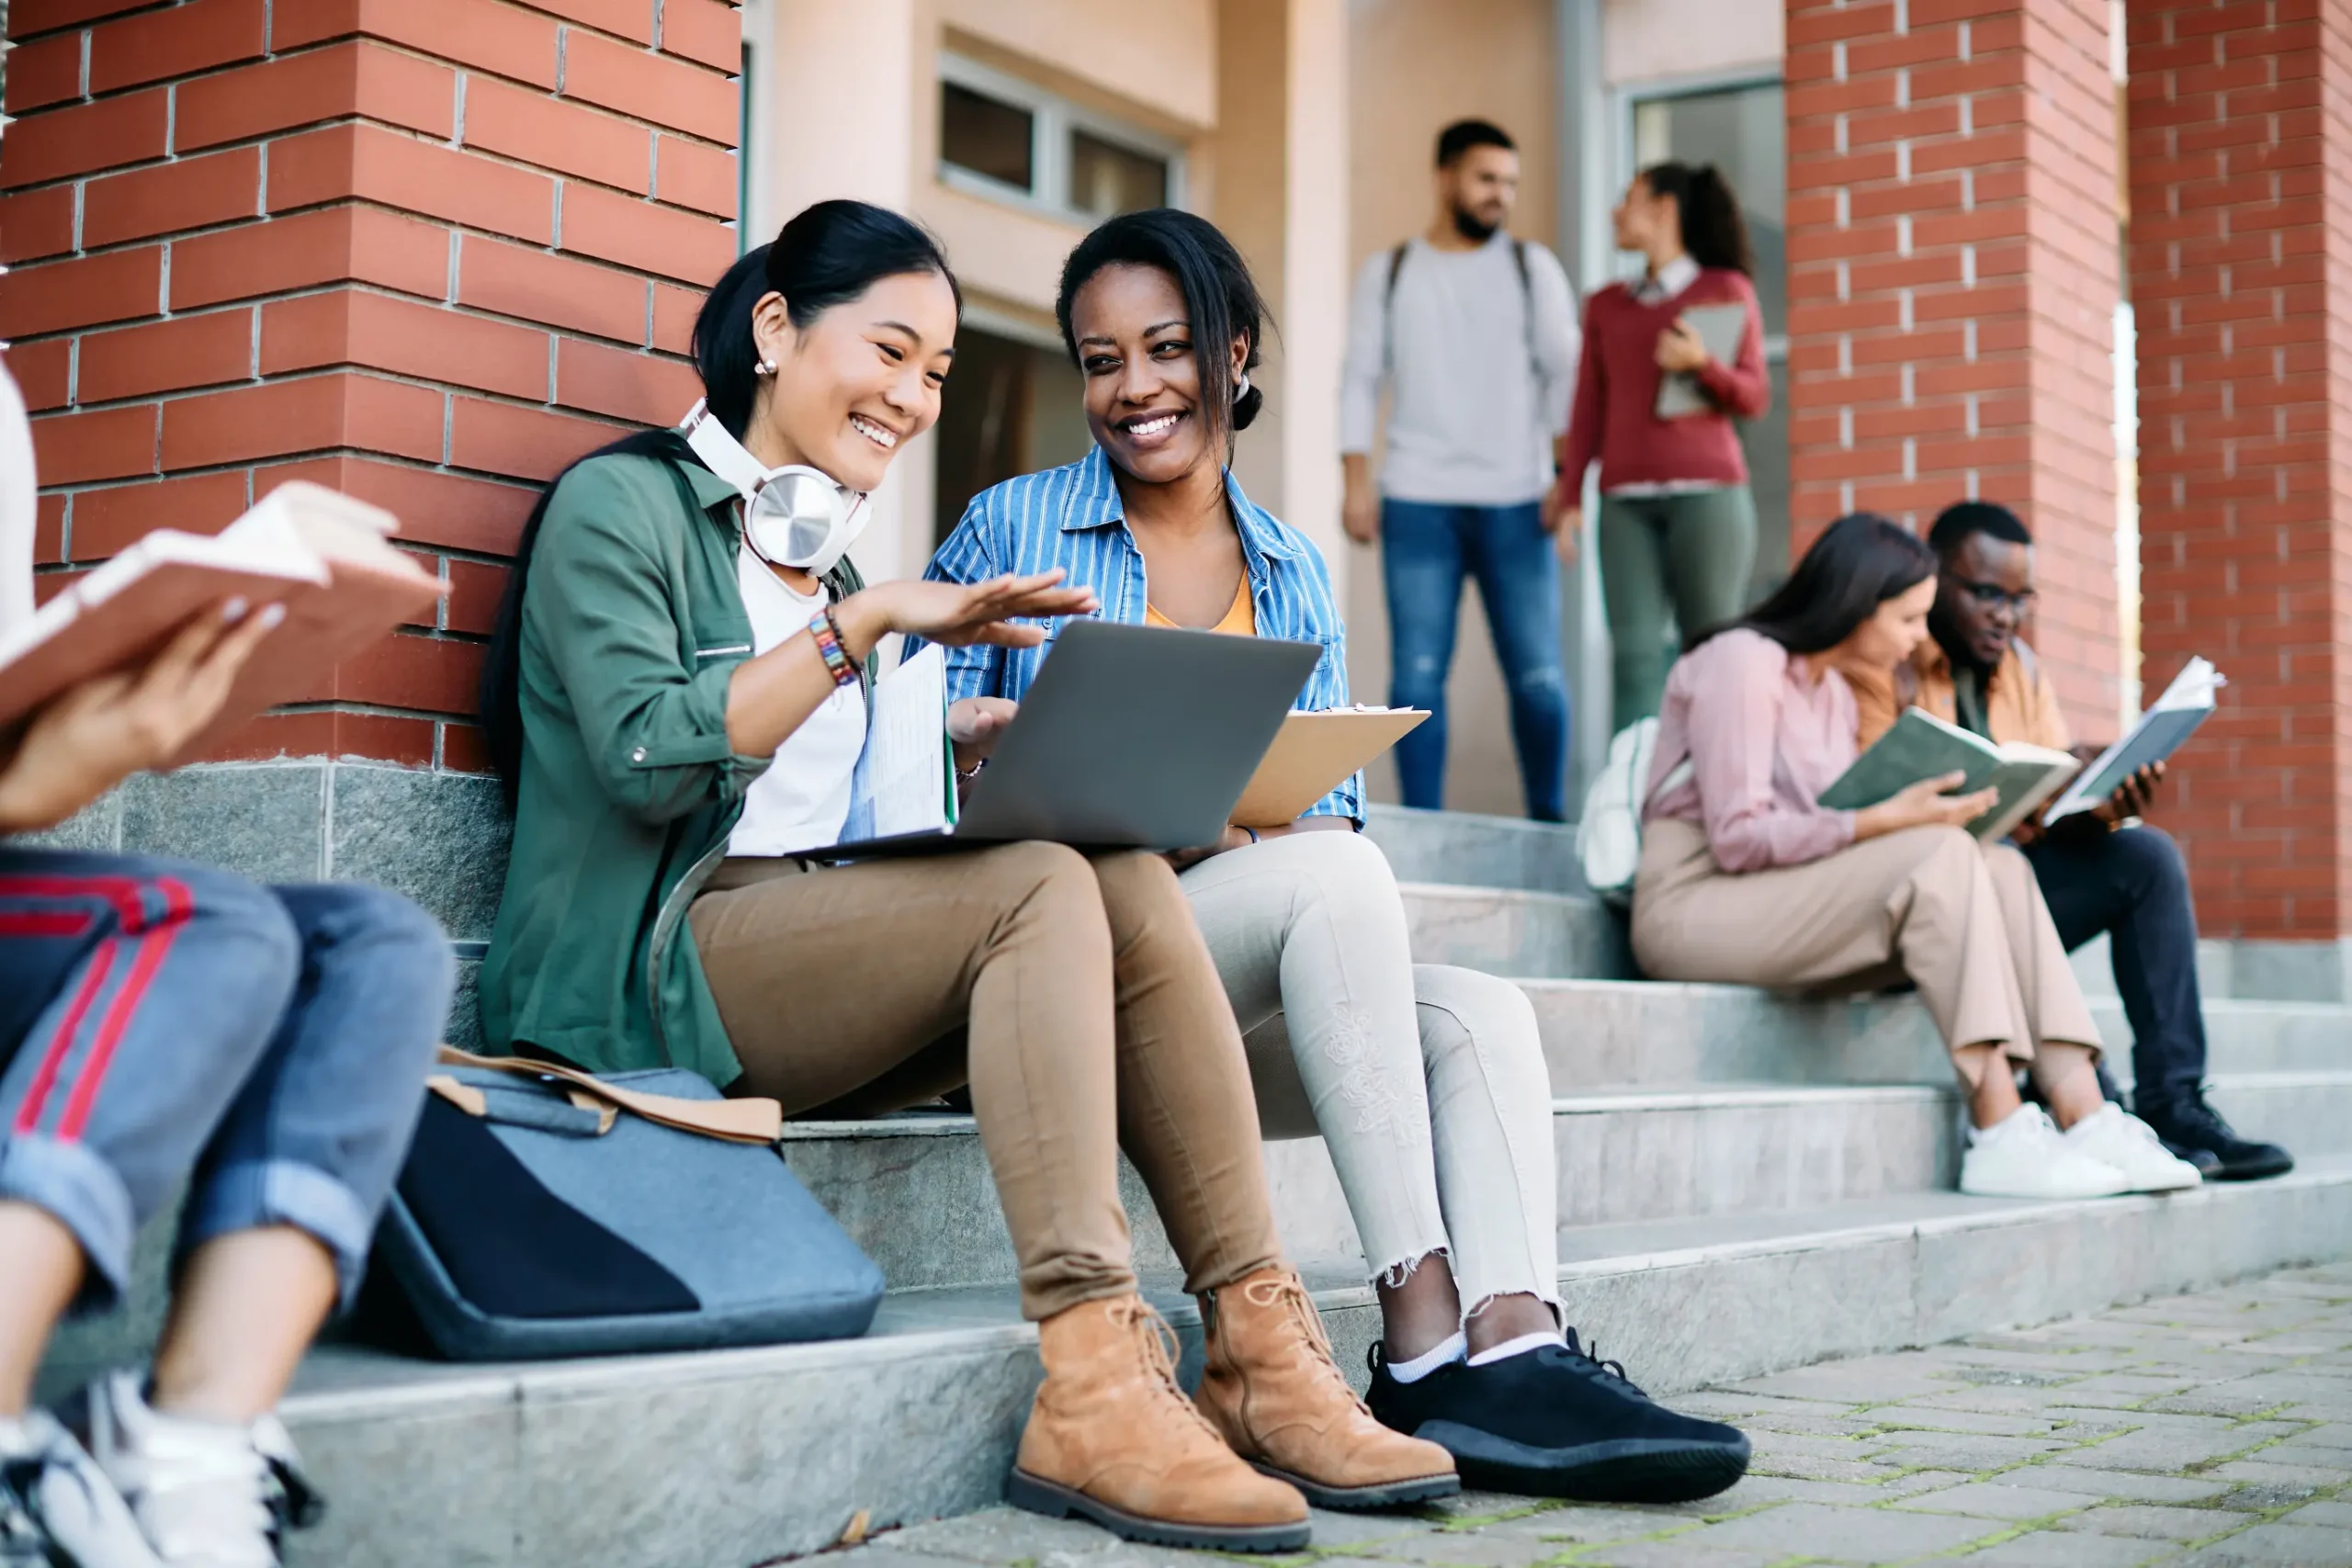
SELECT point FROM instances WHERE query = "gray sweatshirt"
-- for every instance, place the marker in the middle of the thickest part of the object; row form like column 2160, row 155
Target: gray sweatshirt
column 1478, row 390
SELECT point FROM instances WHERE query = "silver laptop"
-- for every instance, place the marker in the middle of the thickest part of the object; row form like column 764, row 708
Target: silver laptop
column 1130, row 737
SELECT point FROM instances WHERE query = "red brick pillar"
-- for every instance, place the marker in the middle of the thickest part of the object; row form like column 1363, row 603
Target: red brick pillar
column 1953, row 287
column 423, row 250
column 2241, row 263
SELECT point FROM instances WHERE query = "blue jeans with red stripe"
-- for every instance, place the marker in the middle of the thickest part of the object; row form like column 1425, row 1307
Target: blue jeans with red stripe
column 162, row 1022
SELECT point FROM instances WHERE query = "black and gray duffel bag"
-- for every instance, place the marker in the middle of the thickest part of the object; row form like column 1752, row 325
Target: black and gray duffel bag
column 544, row 1212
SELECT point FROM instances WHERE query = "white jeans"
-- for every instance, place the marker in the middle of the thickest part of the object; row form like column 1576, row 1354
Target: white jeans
column 1427, row 1082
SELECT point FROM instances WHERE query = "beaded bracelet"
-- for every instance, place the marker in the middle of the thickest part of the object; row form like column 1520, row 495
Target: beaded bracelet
column 828, row 644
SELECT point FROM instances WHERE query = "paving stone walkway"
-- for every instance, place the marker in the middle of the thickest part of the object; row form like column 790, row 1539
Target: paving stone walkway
column 2211, row 1429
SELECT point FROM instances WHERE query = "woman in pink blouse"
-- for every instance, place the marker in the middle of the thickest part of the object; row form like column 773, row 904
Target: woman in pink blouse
column 1744, row 879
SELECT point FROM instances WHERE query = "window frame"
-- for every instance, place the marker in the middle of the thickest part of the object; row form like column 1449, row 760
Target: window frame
column 1052, row 118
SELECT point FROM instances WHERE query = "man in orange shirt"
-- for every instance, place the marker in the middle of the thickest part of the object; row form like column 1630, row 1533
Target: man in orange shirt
column 2102, row 871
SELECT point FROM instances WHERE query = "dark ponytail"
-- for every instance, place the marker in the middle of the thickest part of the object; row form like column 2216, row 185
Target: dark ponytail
column 1712, row 229
column 827, row 255
column 1221, row 298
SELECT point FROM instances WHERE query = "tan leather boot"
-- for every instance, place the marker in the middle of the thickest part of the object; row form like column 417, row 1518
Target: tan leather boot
column 1273, row 1389
column 1112, row 1438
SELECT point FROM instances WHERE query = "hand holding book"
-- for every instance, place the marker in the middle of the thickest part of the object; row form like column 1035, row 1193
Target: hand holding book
column 1927, row 804
column 101, row 730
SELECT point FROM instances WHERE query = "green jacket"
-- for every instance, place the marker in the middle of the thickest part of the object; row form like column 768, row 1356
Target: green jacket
column 633, row 624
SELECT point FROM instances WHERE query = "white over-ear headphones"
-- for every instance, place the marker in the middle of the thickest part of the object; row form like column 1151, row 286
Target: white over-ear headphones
column 794, row 516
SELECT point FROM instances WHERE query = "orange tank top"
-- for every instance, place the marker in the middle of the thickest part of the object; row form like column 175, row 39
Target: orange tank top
column 1240, row 617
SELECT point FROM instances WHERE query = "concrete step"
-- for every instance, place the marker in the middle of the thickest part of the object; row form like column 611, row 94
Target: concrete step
column 731, row 1459
column 1478, row 851
column 1663, row 1033
column 915, row 1191
column 1516, row 931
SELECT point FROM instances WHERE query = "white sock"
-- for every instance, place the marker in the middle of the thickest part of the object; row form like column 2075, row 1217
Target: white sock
column 1518, row 1346
column 16, row 1434
column 1452, row 1351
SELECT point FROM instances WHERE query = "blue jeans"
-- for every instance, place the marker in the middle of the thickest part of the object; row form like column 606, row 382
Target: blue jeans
column 1427, row 550
column 160, row 1020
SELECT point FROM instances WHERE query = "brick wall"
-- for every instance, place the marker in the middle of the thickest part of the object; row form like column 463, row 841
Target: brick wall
column 424, row 251
column 2241, row 259
column 1953, row 280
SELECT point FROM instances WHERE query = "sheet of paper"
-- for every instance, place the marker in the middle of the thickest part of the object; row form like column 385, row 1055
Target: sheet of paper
column 905, row 782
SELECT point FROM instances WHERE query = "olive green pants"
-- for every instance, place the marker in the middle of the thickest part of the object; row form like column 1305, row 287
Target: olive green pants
column 1686, row 557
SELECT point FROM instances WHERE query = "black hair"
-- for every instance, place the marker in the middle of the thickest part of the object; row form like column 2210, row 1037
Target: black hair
column 1464, row 134
column 827, row 255
column 1957, row 521
column 1712, row 229
column 1221, row 299
column 1858, row 563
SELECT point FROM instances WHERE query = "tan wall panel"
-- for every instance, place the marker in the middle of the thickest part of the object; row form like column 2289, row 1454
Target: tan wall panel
column 1643, row 40
column 1163, row 58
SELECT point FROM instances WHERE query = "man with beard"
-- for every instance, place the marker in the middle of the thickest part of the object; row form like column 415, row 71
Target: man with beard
column 2099, row 871
column 1475, row 333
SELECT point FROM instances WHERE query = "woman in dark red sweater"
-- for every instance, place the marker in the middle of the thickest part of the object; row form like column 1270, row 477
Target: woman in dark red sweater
column 1677, row 528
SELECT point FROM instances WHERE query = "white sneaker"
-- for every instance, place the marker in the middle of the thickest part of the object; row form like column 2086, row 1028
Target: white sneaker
column 207, row 1494
column 2024, row 1156
column 2112, row 1136
column 57, row 1505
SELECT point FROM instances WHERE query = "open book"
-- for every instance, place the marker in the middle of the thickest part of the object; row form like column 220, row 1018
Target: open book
column 1312, row 754
column 2170, row 720
column 323, row 555
column 905, row 780
column 1922, row 746
column 1720, row 327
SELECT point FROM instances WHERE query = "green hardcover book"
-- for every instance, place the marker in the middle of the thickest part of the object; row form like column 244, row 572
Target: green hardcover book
column 1922, row 746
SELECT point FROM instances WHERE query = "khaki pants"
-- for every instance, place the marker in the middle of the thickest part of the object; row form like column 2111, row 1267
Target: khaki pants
column 1095, row 1023
column 1964, row 920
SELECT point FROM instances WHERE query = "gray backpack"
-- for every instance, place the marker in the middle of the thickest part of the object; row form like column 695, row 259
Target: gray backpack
column 545, row 1212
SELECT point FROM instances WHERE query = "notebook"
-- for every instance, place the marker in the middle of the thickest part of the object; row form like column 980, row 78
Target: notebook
column 1720, row 327
column 1312, row 754
column 1922, row 746
column 326, row 557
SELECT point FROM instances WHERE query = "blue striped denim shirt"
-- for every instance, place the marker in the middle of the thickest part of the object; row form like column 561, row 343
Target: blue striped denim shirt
column 1070, row 517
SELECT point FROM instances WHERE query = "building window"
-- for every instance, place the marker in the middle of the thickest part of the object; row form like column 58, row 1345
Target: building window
column 1012, row 140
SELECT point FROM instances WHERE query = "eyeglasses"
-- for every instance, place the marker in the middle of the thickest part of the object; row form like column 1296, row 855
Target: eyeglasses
column 1992, row 596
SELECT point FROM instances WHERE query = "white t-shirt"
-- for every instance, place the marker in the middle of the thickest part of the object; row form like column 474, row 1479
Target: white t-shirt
column 802, row 800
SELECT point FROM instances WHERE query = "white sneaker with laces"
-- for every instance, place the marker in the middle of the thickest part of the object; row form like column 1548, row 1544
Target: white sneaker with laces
column 205, row 1494
column 2024, row 1156
column 57, row 1505
column 2112, row 1136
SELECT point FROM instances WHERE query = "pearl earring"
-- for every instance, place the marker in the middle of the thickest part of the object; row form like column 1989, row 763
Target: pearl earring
column 765, row 367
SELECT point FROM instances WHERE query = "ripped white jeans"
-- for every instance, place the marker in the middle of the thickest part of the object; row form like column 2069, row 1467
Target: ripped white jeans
column 1426, row 1082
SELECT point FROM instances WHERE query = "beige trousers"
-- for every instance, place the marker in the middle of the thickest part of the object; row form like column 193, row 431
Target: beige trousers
column 1074, row 994
column 1964, row 920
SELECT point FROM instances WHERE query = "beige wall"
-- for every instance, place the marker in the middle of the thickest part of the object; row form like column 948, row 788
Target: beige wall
column 1415, row 65
column 1164, row 59
column 1649, row 39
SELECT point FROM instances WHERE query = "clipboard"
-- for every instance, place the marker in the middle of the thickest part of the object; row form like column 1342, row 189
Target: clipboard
column 1312, row 753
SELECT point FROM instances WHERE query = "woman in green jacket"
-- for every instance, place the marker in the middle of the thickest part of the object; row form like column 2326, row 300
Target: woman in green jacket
column 677, row 699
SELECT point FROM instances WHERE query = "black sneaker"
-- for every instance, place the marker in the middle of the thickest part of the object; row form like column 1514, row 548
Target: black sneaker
column 2193, row 1124
column 1556, row 1423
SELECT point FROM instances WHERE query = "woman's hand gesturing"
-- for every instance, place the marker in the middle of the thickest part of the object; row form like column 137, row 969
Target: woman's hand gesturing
column 959, row 614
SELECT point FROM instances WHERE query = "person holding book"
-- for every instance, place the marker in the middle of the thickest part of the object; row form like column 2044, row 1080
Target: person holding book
column 1746, row 878
column 1428, row 1083
column 1654, row 405
column 2102, row 871
column 677, row 697
column 1473, row 331
column 165, row 1025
